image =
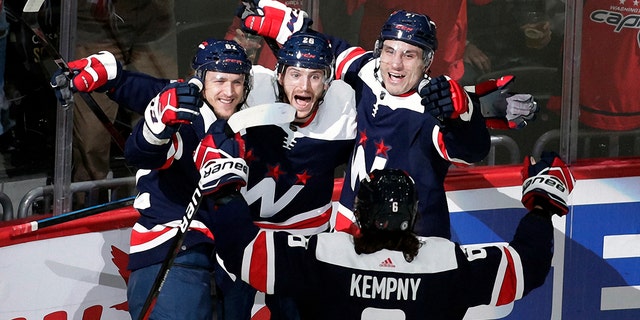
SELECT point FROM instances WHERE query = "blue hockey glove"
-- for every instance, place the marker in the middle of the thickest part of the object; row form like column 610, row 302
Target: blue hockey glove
column 177, row 104
column 547, row 183
column 445, row 99
column 219, row 159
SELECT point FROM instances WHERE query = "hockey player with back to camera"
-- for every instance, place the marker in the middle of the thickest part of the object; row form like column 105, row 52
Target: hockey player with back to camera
column 387, row 271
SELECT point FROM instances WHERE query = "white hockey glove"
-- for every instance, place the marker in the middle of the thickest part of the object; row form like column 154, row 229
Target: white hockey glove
column 501, row 109
column 219, row 159
column 547, row 183
column 273, row 19
column 521, row 108
column 177, row 104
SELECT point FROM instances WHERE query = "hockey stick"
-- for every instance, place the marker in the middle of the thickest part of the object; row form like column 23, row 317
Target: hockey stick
column 30, row 17
column 56, row 220
column 265, row 114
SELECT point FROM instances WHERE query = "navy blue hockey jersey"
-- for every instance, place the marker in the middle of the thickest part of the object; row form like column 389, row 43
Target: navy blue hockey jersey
column 397, row 132
column 329, row 280
column 291, row 168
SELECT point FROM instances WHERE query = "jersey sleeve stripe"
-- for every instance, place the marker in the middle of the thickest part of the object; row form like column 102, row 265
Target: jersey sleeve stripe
column 258, row 262
column 346, row 221
column 510, row 278
column 175, row 151
column 509, row 282
column 439, row 144
column 345, row 59
column 143, row 239
column 319, row 222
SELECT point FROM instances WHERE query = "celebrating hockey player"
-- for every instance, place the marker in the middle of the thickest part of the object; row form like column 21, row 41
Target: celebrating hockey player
column 406, row 119
column 161, row 146
column 387, row 272
column 290, row 185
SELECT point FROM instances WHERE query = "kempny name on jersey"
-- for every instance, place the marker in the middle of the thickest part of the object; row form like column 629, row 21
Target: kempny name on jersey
column 387, row 288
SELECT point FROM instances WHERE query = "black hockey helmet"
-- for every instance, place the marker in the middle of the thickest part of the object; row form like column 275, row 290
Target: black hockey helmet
column 387, row 201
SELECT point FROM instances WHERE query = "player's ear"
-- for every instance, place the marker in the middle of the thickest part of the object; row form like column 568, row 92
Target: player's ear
column 280, row 78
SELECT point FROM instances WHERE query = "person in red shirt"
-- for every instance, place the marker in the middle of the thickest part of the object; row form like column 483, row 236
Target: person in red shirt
column 610, row 54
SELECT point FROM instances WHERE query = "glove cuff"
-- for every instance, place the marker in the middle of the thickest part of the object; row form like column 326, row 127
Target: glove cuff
column 152, row 138
column 223, row 173
column 546, row 191
column 115, row 78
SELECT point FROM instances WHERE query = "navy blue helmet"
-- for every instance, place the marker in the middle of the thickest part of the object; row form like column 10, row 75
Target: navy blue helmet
column 307, row 49
column 387, row 201
column 220, row 55
column 413, row 28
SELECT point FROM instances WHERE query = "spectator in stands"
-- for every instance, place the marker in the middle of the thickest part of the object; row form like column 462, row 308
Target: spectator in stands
column 141, row 34
column 505, row 34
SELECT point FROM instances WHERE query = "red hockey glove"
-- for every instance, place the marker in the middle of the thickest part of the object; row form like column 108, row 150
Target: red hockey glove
column 445, row 99
column 547, row 183
column 273, row 19
column 97, row 72
column 177, row 104
column 219, row 159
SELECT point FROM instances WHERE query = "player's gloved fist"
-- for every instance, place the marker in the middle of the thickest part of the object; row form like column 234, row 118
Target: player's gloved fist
column 547, row 183
column 273, row 19
column 219, row 159
column 504, row 110
column 445, row 99
column 97, row 72
column 60, row 84
column 501, row 109
column 520, row 109
column 177, row 104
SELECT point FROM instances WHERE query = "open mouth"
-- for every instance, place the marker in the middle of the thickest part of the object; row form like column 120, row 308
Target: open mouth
column 395, row 77
column 302, row 100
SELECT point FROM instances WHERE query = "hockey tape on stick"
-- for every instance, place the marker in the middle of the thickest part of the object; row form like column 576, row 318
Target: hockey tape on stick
column 32, row 226
column 260, row 115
